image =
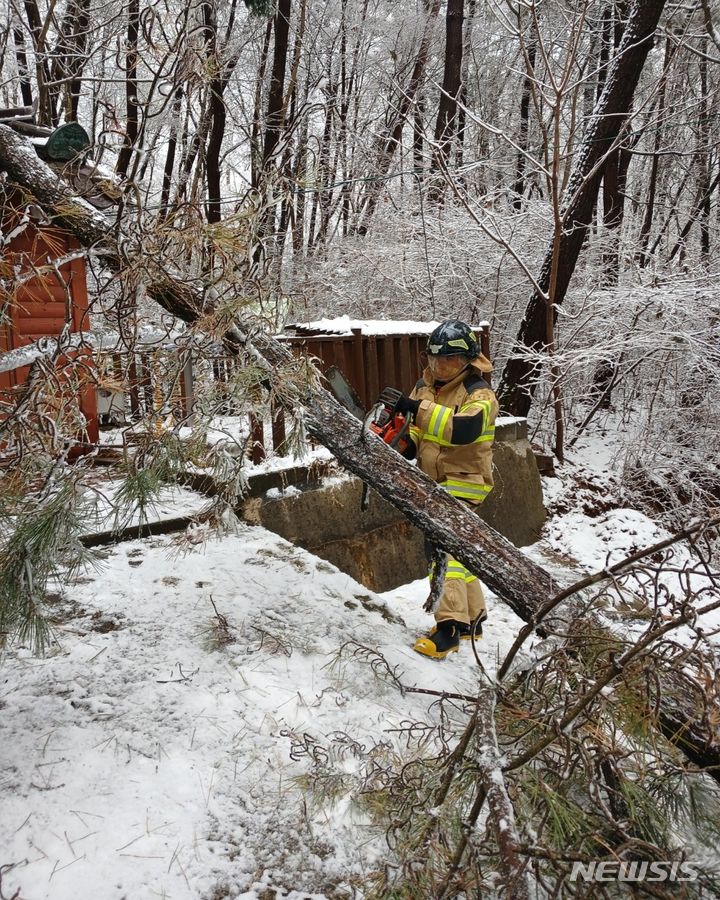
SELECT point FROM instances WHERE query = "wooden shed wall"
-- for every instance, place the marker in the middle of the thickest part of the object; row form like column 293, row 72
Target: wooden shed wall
column 41, row 305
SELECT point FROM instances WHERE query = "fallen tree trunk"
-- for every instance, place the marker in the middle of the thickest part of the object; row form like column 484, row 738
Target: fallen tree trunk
column 684, row 714
column 445, row 520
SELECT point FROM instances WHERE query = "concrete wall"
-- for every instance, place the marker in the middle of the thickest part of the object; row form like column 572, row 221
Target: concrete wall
column 378, row 547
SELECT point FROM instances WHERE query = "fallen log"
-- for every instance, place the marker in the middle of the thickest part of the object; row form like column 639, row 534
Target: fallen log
column 683, row 712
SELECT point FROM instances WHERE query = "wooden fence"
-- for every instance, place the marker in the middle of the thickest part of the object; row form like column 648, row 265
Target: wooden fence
column 151, row 381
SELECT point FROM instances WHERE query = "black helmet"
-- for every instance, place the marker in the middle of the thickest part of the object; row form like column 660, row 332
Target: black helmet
column 453, row 338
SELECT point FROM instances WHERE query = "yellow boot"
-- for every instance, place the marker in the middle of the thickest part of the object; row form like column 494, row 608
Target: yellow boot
column 442, row 640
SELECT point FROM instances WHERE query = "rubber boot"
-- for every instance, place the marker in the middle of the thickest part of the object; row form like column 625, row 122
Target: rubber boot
column 444, row 639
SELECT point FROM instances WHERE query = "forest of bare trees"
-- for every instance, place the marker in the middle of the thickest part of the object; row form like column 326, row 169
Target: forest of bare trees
column 550, row 166
column 372, row 158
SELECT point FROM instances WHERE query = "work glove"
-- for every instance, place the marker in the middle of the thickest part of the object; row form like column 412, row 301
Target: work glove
column 405, row 406
column 398, row 403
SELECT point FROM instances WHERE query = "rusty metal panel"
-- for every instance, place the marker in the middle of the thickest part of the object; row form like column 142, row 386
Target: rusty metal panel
column 371, row 368
column 407, row 365
column 370, row 362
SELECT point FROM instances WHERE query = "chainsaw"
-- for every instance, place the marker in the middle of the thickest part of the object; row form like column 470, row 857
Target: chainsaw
column 392, row 428
column 382, row 420
column 388, row 425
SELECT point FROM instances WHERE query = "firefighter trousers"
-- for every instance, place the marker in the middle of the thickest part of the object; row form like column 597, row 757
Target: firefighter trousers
column 462, row 598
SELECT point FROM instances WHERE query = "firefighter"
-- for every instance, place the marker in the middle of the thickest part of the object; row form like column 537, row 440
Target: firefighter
column 453, row 412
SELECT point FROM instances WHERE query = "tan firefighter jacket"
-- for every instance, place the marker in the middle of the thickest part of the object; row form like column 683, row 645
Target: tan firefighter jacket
column 454, row 431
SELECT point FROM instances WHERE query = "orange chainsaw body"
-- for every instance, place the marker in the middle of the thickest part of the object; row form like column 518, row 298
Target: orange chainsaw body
column 389, row 428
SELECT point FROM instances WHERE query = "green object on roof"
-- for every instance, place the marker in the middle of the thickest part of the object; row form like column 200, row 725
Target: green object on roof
column 67, row 141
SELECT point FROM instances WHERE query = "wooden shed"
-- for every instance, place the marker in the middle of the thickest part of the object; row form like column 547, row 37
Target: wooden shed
column 46, row 293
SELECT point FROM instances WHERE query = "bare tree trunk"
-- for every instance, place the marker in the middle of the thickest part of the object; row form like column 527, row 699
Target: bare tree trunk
column 704, row 160
column 22, row 64
column 274, row 120
column 292, row 107
column 446, row 124
column 42, row 68
column 614, row 188
column 644, row 236
column 322, row 197
column 519, row 377
column 217, row 115
column 255, row 152
column 132, row 109
column 614, row 181
column 274, row 123
column 462, row 117
column 171, row 151
column 222, row 71
column 69, row 57
column 419, row 135
column 518, row 187
column 394, row 132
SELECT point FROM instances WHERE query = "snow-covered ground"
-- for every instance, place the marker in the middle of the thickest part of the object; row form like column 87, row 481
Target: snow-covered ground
column 155, row 753
column 209, row 716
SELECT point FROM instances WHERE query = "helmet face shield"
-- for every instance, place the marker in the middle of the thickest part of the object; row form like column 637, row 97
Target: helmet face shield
column 446, row 367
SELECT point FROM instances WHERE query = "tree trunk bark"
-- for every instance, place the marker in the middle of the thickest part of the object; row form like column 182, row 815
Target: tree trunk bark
column 171, row 151
column 614, row 185
column 255, row 152
column 446, row 124
column 42, row 68
column 687, row 707
column 222, row 71
column 518, row 187
column 274, row 123
column 132, row 111
column 216, row 110
column 519, row 377
column 644, row 236
column 69, row 56
column 394, row 133
column 274, row 118
column 704, row 160
column 22, row 64
column 614, row 181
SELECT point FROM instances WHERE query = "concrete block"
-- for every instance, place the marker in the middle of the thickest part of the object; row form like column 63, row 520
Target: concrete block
column 378, row 547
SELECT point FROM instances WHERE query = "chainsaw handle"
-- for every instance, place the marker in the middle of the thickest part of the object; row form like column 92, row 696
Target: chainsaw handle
column 400, row 434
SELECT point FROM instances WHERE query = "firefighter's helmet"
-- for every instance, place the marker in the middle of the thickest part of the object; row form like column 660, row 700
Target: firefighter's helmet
column 453, row 338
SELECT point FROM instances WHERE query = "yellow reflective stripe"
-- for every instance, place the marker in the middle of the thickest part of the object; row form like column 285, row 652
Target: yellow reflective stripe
column 438, row 420
column 415, row 434
column 458, row 570
column 435, row 440
column 444, row 422
column 467, row 490
column 487, row 435
column 432, row 424
column 455, row 570
column 485, row 405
